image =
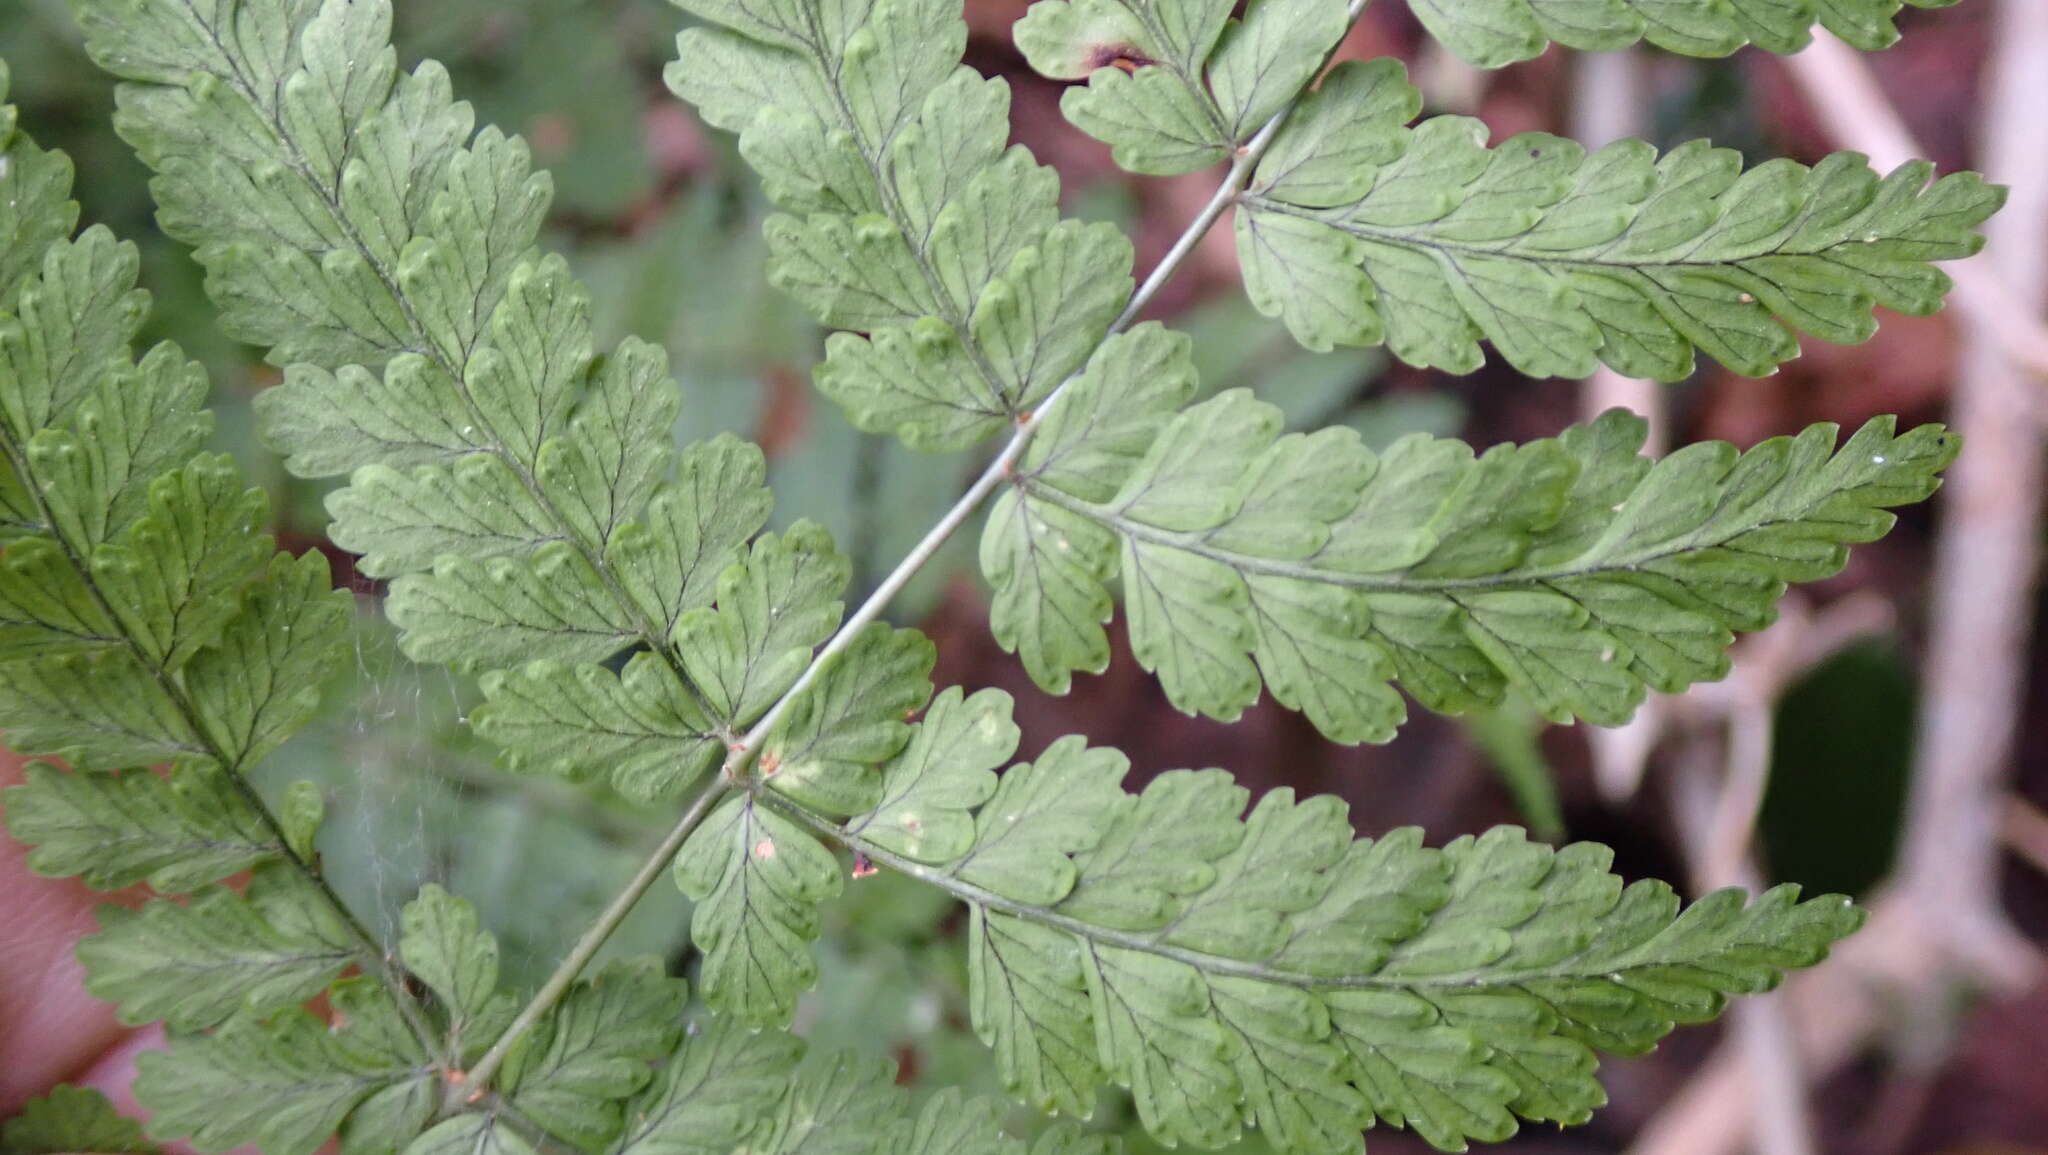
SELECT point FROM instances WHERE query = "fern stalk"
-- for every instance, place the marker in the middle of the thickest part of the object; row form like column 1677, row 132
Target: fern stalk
column 745, row 752
column 1003, row 469
column 477, row 1080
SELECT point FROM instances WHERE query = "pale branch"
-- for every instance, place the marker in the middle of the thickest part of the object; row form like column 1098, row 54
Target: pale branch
column 999, row 472
column 477, row 1079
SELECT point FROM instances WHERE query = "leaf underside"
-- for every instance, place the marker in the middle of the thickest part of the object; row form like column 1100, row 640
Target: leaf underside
column 1360, row 230
column 1266, row 970
column 1172, row 87
column 1574, row 570
column 1491, row 33
column 908, row 220
column 1234, row 965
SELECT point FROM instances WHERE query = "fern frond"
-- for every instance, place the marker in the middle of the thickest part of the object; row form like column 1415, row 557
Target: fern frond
column 177, row 833
column 139, row 602
column 1574, row 569
column 445, row 946
column 1492, row 33
column 1357, row 231
column 758, row 881
column 518, row 488
column 1175, row 85
column 143, row 615
column 730, row 1090
column 72, row 1119
column 1264, row 970
column 1267, row 970
column 573, row 1073
column 270, row 1074
column 907, row 218
column 614, row 1070
column 286, row 1084
column 195, row 965
column 1360, row 231
column 489, row 444
column 147, row 620
column 1172, row 85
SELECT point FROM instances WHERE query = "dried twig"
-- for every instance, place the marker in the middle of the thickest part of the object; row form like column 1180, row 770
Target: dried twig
column 1988, row 555
column 1993, row 291
column 1609, row 107
column 1718, row 821
column 1939, row 924
column 2026, row 832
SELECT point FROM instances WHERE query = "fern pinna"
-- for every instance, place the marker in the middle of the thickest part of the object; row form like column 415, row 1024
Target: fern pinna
column 1233, row 963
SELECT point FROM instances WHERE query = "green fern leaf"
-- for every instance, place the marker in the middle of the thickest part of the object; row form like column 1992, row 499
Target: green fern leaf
column 517, row 488
column 850, row 719
column 1170, row 49
column 470, row 1135
column 1173, row 87
column 729, row 1089
column 571, row 1072
column 443, row 943
column 1061, row 803
column 1563, row 260
column 758, row 881
column 1492, row 33
column 642, row 723
column 719, row 1088
column 837, row 1104
column 383, row 251
column 1048, row 568
column 178, row 833
column 1573, row 569
column 694, row 529
column 46, row 607
column 39, row 211
column 499, row 612
column 100, row 438
column 79, row 311
column 374, row 1037
column 164, row 576
column 137, row 620
column 72, row 1118
column 103, row 711
column 910, row 221
column 287, row 1084
column 1234, row 970
column 260, row 681
column 774, row 608
column 930, row 790
column 193, row 966
column 204, row 650
column 1272, row 972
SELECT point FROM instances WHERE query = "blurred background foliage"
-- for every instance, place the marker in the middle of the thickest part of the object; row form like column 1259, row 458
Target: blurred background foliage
column 663, row 221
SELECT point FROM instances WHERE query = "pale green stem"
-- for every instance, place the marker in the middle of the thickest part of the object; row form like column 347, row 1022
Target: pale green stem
column 477, row 1080
column 1002, row 469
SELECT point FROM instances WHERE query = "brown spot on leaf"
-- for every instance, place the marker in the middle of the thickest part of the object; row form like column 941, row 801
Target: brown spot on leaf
column 1122, row 56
